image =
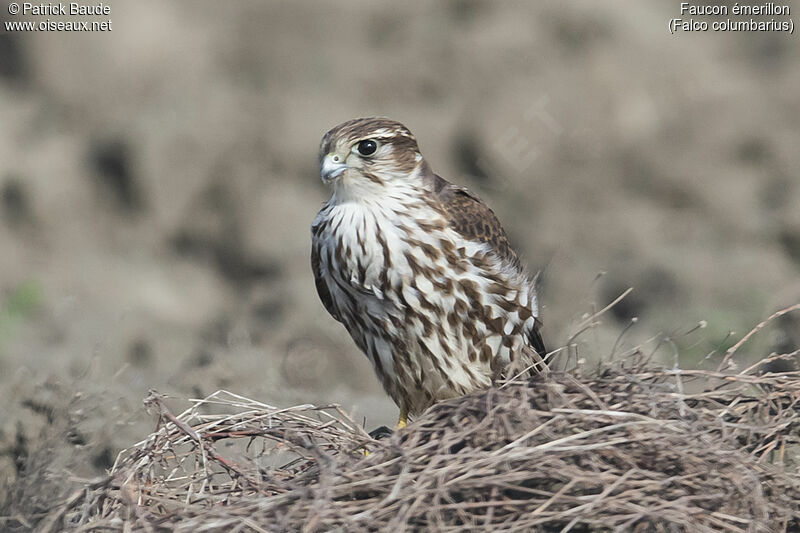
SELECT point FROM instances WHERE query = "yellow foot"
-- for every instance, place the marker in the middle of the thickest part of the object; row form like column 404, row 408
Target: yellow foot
column 403, row 420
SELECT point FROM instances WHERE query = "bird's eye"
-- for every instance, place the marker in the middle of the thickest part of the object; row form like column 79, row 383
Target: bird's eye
column 367, row 147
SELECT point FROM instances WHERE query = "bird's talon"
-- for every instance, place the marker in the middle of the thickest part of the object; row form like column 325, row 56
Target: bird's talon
column 403, row 420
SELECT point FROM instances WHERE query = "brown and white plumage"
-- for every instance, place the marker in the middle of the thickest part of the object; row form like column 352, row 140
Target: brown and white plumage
column 418, row 270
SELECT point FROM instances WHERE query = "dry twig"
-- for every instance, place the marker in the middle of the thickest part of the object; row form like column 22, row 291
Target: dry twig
column 622, row 449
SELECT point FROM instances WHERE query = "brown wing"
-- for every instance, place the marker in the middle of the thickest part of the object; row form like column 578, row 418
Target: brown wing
column 537, row 342
column 322, row 287
column 472, row 218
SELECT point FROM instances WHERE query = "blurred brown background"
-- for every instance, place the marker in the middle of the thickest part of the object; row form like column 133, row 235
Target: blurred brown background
column 157, row 184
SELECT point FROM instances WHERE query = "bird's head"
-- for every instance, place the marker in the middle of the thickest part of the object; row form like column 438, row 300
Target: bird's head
column 368, row 154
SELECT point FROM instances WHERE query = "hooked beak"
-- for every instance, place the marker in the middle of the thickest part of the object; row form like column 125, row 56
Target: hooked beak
column 332, row 167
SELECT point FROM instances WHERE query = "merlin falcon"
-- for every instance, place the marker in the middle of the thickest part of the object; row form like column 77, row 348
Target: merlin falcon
column 418, row 270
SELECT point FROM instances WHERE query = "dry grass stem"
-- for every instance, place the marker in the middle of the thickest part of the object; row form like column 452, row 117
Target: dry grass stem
column 623, row 448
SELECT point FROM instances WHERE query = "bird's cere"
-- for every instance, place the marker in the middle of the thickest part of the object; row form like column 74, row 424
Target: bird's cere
column 331, row 168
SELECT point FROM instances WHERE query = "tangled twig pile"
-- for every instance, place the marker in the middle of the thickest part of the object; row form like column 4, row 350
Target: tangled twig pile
column 631, row 446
